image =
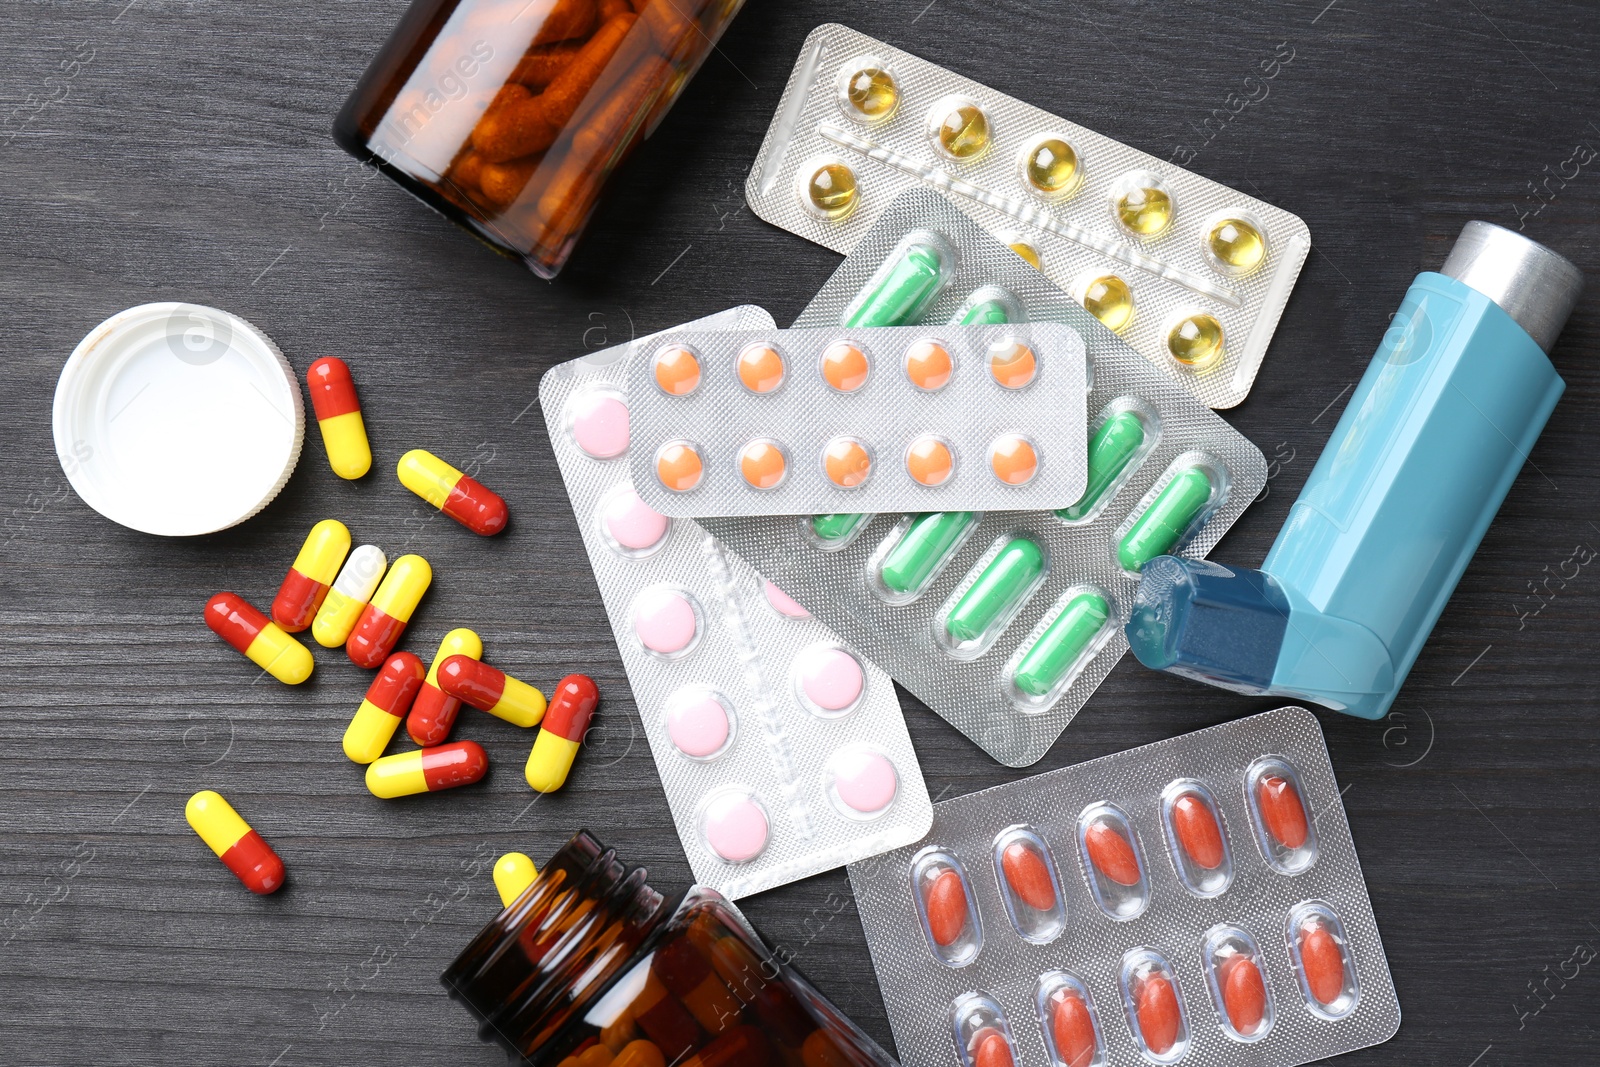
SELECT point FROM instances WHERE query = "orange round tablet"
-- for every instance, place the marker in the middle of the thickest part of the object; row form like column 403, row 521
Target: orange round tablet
column 760, row 367
column 929, row 461
column 763, row 464
column 1013, row 459
column 844, row 366
column 679, row 466
column 847, row 462
column 677, row 370
column 1012, row 363
column 929, row 366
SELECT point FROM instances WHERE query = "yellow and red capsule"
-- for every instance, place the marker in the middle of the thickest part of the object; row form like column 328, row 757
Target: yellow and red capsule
column 384, row 618
column 427, row 770
column 433, row 714
column 344, row 434
column 260, row 639
column 474, row 682
column 388, row 698
column 239, row 847
column 458, row 495
column 562, row 732
column 306, row 585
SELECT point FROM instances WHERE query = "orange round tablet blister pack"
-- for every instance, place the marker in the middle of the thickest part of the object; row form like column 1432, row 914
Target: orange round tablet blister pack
column 679, row 466
column 846, row 462
column 677, row 370
column 762, row 464
column 929, row 461
column 1013, row 459
column 761, row 367
column 929, row 365
column 845, row 366
column 1012, row 363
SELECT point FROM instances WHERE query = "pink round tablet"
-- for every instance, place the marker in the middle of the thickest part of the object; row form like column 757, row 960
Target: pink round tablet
column 698, row 726
column 631, row 522
column 664, row 620
column 782, row 602
column 600, row 425
column 864, row 780
column 735, row 827
column 829, row 677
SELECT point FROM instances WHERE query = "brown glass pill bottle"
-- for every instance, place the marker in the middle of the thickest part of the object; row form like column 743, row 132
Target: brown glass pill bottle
column 591, row 966
column 508, row 115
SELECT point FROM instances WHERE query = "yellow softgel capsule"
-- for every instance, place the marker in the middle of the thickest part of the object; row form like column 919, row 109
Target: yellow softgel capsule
column 960, row 128
column 1051, row 166
column 1142, row 204
column 871, row 93
column 1196, row 339
column 513, row 873
column 1235, row 246
column 1109, row 299
column 1027, row 252
column 831, row 190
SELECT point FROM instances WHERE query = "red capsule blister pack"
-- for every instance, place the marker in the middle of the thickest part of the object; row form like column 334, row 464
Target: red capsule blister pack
column 1198, row 899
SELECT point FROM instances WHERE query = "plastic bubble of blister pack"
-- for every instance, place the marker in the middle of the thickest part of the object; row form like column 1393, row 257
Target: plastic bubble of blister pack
column 782, row 751
column 799, row 422
column 1267, row 969
column 1194, row 275
column 1004, row 622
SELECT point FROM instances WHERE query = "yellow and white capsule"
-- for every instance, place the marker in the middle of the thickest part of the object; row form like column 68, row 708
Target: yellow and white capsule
column 357, row 581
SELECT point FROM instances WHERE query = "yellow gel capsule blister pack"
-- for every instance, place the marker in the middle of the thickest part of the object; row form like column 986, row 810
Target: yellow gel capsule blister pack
column 1191, row 274
column 800, row 422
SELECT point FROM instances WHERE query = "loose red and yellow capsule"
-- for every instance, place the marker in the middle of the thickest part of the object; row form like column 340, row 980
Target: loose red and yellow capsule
column 513, row 873
column 344, row 435
column 358, row 580
column 261, row 640
column 474, row 682
column 388, row 698
column 427, row 770
column 1281, row 810
column 458, row 495
column 240, row 848
column 562, row 732
column 384, row 618
column 433, row 713
column 311, row 576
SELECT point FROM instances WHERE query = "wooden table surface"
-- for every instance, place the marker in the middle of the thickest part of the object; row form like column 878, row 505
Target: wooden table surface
column 166, row 149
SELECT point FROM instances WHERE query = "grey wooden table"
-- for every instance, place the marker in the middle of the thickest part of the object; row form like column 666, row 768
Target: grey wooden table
column 187, row 156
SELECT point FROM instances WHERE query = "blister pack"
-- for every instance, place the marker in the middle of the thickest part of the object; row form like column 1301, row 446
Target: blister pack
column 1193, row 274
column 1005, row 622
column 1196, row 899
column 792, row 422
column 782, row 752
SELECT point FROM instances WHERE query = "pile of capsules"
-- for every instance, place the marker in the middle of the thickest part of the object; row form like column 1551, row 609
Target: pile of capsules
column 358, row 600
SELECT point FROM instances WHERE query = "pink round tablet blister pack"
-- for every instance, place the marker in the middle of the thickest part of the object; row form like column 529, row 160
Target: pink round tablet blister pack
column 666, row 621
column 735, row 825
column 631, row 526
column 829, row 680
column 699, row 724
column 599, row 424
column 862, row 781
column 782, row 602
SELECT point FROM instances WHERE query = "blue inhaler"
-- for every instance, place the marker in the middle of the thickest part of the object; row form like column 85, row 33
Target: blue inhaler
column 1399, row 500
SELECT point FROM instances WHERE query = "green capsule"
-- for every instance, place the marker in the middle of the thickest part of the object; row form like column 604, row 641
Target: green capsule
column 1116, row 442
column 984, row 313
column 1008, row 578
column 836, row 527
column 1167, row 518
column 926, row 544
column 901, row 297
column 1062, row 642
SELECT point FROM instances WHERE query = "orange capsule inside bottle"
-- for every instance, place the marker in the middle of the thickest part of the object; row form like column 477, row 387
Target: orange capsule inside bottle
column 847, row 462
column 845, row 367
column 679, row 466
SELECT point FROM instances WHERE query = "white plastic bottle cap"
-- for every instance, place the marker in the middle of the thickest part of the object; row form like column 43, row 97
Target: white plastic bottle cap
column 178, row 419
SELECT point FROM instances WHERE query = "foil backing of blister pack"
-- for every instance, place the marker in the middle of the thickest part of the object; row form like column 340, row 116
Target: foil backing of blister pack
column 746, row 653
column 1170, row 274
column 919, row 991
column 973, row 694
column 718, row 440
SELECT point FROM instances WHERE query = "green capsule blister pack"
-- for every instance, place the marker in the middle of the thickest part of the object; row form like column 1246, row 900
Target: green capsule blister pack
column 1005, row 622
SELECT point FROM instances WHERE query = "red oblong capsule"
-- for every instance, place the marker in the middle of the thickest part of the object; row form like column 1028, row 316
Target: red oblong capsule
column 991, row 1049
column 1282, row 811
column 1111, row 853
column 1028, row 876
column 1197, row 831
column 1322, row 960
column 1156, row 1004
column 1073, row 1029
column 946, row 907
column 1244, row 994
